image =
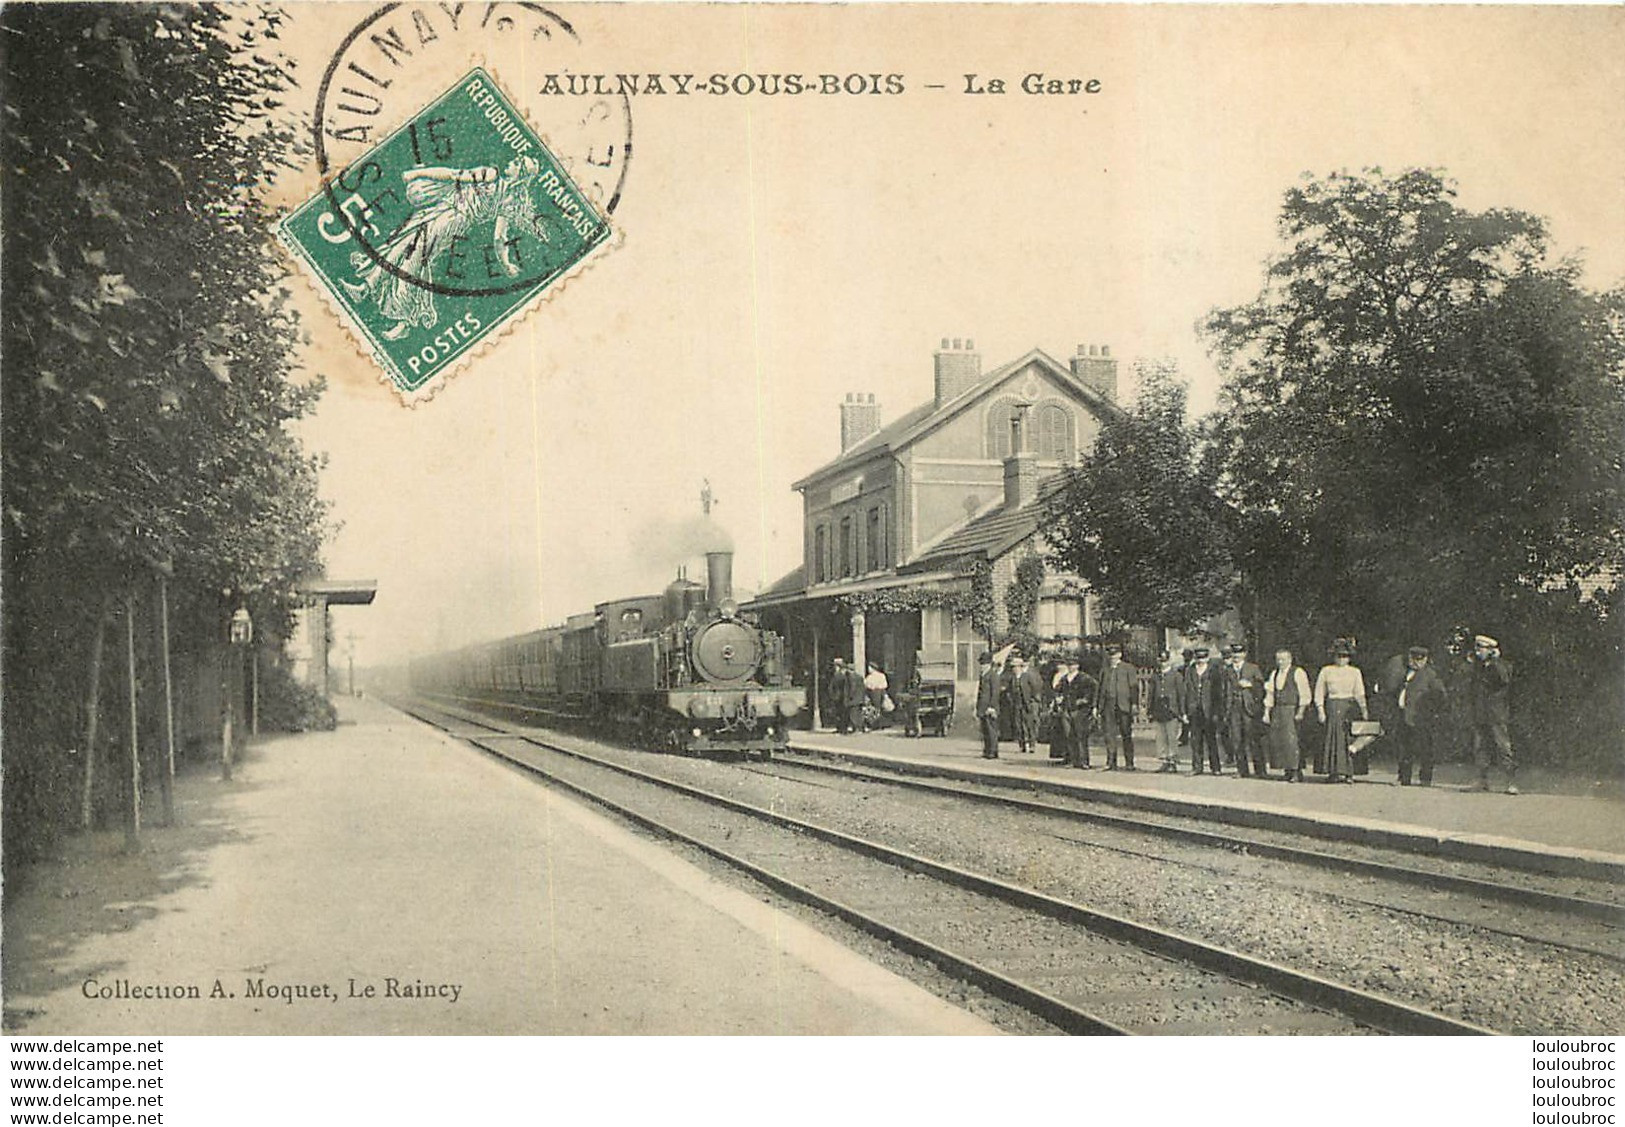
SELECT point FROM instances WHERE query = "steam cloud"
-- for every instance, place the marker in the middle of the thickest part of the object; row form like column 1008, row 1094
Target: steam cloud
column 664, row 544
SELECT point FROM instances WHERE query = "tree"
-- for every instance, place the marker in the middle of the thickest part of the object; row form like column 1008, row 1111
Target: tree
column 1138, row 518
column 1423, row 419
column 148, row 346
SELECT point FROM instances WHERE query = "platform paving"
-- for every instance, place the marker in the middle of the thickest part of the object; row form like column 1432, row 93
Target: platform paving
column 1558, row 823
column 466, row 898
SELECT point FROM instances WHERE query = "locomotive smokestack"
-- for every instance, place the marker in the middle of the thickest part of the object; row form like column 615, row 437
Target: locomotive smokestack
column 719, row 576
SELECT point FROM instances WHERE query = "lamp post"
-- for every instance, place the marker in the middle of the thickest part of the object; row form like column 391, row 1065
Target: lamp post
column 242, row 636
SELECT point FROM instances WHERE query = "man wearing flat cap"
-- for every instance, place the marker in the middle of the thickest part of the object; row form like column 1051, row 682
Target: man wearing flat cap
column 1490, row 707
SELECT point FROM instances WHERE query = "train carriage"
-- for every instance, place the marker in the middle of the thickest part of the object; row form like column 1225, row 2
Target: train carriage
column 682, row 670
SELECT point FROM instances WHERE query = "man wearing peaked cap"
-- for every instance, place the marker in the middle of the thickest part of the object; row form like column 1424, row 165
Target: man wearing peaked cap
column 1490, row 708
column 1114, row 705
column 1202, row 710
column 1168, row 709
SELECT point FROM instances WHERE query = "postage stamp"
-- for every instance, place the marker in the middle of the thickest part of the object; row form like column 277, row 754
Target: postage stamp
column 443, row 232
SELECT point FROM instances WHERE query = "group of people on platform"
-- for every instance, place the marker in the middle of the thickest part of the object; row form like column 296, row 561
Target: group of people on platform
column 861, row 701
column 1231, row 713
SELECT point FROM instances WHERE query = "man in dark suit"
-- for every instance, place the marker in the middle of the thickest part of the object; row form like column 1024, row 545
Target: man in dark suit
column 1026, row 695
column 838, row 688
column 1418, row 701
column 1114, row 704
column 1075, row 703
column 1202, row 710
column 1241, row 697
column 987, row 706
column 856, row 698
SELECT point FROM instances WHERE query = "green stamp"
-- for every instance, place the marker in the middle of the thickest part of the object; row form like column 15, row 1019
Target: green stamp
column 444, row 231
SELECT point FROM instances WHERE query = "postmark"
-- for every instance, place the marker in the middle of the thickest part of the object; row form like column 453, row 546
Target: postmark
column 418, row 194
column 444, row 230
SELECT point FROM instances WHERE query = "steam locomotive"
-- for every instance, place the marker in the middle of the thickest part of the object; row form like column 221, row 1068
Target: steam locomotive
column 681, row 671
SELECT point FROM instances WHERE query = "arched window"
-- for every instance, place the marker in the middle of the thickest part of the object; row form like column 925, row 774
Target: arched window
column 1000, row 418
column 1055, row 437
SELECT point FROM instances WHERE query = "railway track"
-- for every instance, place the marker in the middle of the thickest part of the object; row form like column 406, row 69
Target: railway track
column 1584, row 924
column 1080, row 969
column 1546, row 909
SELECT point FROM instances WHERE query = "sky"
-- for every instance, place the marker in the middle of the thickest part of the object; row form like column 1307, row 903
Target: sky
column 776, row 253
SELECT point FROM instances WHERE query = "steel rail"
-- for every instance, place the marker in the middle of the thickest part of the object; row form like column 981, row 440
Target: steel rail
column 1404, row 874
column 1579, row 906
column 1381, row 1013
column 1061, row 1014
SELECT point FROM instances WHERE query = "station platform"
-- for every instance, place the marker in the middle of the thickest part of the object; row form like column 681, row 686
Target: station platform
column 1557, row 824
column 385, row 879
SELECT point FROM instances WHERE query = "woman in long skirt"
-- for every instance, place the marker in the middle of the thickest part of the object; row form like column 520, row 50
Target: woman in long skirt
column 1286, row 699
column 1339, row 694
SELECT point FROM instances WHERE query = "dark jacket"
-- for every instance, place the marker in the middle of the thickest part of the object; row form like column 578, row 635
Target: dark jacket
column 987, row 691
column 1168, row 695
column 1077, row 696
column 1026, row 691
column 1489, row 691
column 846, row 688
column 1118, row 685
column 1385, row 691
column 1424, row 697
column 1202, row 692
column 1242, row 690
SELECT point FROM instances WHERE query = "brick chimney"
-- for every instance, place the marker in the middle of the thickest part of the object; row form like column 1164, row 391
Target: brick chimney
column 959, row 366
column 1097, row 368
column 1021, row 467
column 860, row 417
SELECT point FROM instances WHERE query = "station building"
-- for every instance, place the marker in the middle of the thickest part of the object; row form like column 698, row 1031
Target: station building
column 902, row 527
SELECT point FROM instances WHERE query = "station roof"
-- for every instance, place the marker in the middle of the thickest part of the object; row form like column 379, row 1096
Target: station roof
column 992, row 534
column 344, row 592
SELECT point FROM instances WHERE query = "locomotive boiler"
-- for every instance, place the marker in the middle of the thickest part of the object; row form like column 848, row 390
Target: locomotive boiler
column 684, row 670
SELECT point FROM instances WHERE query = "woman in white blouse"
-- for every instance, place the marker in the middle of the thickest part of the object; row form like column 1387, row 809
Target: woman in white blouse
column 1286, row 699
column 1339, row 691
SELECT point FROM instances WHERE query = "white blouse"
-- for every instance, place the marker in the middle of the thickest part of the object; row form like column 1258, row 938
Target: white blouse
column 1340, row 682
